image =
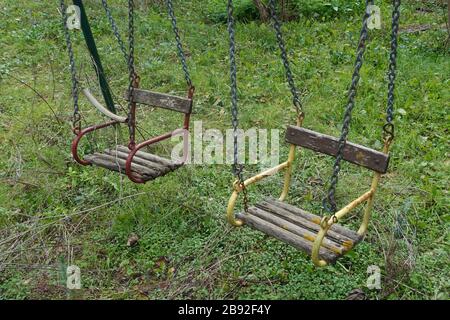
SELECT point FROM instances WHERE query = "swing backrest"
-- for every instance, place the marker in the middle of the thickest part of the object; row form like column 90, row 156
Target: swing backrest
column 165, row 101
column 354, row 153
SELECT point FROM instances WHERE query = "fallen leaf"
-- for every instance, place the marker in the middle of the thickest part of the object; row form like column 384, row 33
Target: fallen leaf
column 132, row 240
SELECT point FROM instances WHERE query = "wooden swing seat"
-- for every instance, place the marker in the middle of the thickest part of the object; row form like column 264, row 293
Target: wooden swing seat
column 145, row 166
column 320, row 237
column 299, row 228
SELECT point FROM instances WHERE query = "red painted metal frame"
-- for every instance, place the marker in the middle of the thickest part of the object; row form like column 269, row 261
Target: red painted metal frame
column 135, row 148
column 80, row 135
column 166, row 136
column 154, row 140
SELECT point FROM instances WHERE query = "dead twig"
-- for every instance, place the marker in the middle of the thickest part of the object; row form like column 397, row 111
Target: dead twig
column 13, row 182
column 38, row 94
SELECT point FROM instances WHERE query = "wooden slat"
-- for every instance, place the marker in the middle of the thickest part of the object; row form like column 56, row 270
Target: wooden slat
column 334, row 236
column 166, row 101
column 350, row 234
column 118, row 164
column 145, row 166
column 298, row 230
column 134, row 166
column 151, row 157
column 107, row 164
column 148, row 164
column 285, row 236
column 354, row 153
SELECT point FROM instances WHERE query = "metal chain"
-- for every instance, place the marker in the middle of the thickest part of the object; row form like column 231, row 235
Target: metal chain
column 388, row 128
column 237, row 168
column 132, row 76
column 76, row 120
column 181, row 54
column 281, row 44
column 115, row 29
column 329, row 202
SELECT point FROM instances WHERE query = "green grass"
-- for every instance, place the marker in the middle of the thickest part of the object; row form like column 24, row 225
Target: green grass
column 54, row 212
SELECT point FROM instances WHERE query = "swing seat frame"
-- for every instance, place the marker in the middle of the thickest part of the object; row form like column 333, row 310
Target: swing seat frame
column 139, row 166
column 318, row 246
column 134, row 160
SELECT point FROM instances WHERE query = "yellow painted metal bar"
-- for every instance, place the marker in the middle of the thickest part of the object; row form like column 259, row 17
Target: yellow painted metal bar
column 267, row 173
column 291, row 158
column 238, row 189
column 328, row 222
column 368, row 211
column 288, row 174
column 316, row 247
column 352, row 205
column 375, row 182
column 262, row 175
column 230, row 210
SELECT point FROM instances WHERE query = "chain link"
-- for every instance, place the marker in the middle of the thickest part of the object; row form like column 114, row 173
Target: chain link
column 237, row 168
column 284, row 57
column 233, row 78
column 76, row 120
column 181, row 54
column 329, row 202
column 115, row 30
column 132, row 77
column 388, row 128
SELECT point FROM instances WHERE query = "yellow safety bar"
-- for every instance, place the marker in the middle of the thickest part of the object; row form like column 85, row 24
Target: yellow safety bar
column 267, row 173
column 326, row 221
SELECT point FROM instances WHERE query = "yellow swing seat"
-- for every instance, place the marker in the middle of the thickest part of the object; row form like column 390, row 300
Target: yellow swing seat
column 320, row 237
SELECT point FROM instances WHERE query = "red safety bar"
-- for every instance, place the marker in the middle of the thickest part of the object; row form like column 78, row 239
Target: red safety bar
column 80, row 135
column 141, row 145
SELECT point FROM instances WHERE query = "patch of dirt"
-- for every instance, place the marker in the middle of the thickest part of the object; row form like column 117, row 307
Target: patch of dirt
column 44, row 289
